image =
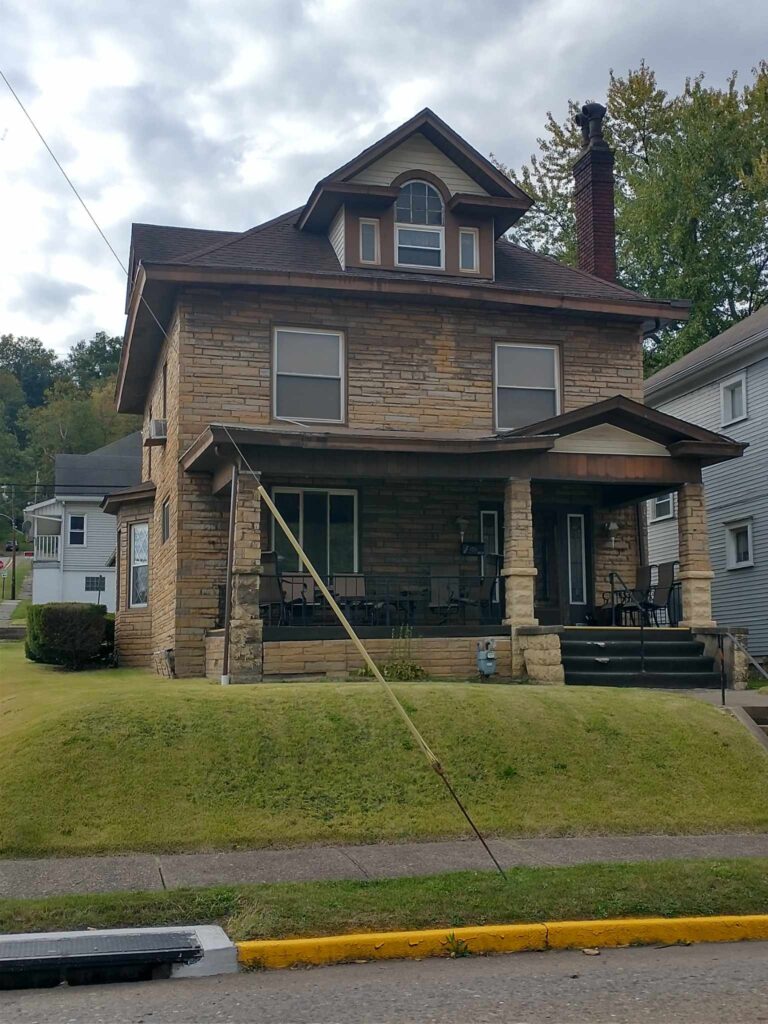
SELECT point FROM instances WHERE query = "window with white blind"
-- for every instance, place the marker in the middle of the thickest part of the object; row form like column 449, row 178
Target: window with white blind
column 308, row 380
column 527, row 384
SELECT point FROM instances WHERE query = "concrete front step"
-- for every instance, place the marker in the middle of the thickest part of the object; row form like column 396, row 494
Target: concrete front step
column 663, row 680
column 634, row 663
column 629, row 648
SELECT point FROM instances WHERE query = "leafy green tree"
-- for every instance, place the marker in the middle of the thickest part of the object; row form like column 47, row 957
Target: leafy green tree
column 35, row 367
column 73, row 421
column 691, row 198
column 93, row 361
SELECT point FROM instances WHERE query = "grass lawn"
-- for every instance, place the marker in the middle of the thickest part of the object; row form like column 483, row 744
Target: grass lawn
column 666, row 889
column 111, row 761
column 23, row 568
column 20, row 611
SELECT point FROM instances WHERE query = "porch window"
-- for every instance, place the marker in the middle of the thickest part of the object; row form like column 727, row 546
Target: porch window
column 325, row 522
column 77, row 531
column 662, row 507
column 738, row 545
column 308, row 372
column 139, row 552
column 527, row 384
column 577, row 559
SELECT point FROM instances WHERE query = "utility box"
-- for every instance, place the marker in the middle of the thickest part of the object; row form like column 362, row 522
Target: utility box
column 486, row 658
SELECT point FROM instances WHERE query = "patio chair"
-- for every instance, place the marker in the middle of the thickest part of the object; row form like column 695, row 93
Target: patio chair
column 271, row 596
column 444, row 591
column 299, row 589
column 629, row 603
column 659, row 598
column 350, row 592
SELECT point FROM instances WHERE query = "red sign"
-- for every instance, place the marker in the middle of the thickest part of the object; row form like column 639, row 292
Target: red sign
column 29, row 554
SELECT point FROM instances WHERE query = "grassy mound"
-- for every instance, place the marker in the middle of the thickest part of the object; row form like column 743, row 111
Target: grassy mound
column 112, row 761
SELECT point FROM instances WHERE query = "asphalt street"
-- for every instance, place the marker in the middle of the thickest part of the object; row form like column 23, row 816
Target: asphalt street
column 704, row 984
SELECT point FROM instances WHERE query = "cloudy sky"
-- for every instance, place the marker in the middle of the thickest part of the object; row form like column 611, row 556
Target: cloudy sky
column 223, row 113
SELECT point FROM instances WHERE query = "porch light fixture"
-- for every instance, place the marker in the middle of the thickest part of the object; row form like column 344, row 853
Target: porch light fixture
column 611, row 529
column 462, row 524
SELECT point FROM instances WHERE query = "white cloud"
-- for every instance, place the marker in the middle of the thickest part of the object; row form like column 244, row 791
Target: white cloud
column 222, row 115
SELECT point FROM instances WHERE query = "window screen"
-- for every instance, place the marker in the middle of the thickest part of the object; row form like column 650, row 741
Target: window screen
column 526, row 384
column 308, row 375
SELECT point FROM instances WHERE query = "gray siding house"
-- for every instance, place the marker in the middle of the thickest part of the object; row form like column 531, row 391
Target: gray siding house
column 73, row 539
column 723, row 386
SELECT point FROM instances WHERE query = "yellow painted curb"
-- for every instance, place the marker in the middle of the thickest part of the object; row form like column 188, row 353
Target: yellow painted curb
column 512, row 938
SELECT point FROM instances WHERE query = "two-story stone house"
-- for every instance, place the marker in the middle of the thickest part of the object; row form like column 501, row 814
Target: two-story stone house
column 451, row 424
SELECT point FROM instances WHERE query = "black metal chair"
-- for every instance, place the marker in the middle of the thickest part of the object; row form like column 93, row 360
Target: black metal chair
column 271, row 596
column 658, row 602
column 628, row 603
column 444, row 598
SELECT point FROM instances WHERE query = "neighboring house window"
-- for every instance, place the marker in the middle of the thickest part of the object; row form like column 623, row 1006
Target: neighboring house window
column 527, row 384
column 419, row 226
column 468, row 249
column 166, row 520
column 662, row 507
column 733, row 400
column 95, row 583
column 139, row 559
column 77, row 531
column 369, row 241
column 308, row 380
column 118, row 550
column 325, row 522
column 738, row 545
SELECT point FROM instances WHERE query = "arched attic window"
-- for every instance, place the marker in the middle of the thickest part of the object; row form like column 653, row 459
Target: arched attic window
column 419, row 232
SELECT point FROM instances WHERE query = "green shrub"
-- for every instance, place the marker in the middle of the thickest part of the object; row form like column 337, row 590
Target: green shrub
column 72, row 635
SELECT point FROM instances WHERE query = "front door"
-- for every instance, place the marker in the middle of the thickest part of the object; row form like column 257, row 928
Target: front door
column 562, row 553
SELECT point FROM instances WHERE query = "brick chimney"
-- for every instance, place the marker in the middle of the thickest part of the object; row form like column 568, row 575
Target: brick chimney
column 593, row 174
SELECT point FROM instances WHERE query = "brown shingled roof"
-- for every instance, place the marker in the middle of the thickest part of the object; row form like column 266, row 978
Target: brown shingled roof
column 279, row 245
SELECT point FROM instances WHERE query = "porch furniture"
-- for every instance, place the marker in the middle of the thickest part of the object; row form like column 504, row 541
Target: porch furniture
column 350, row 593
column 271, row 597
column 300, row 601
column 658, row 603
column 627, row 604
column 444, row 592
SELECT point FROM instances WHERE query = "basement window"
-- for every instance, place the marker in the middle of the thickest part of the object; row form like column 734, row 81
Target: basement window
column 308, row 384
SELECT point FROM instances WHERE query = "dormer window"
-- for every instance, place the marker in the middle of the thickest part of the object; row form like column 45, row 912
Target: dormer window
column 419, row 232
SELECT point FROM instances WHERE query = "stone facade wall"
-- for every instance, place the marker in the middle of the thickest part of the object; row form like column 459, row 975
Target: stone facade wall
column 409, row 367
column 618, row 552
column 133, row 626
column 441, row 657
column 214, row 654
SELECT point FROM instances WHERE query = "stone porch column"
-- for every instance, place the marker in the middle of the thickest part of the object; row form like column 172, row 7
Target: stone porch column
column 519, row 571
column 695, row 571
column 245, row 630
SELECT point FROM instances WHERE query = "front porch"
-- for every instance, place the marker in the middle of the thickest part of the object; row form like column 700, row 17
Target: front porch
column 448, row 541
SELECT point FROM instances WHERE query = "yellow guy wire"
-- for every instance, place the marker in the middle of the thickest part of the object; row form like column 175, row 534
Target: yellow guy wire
column 431, row 757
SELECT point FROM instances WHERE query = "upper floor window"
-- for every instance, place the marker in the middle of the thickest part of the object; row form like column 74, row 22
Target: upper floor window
column 369, row 241
column 419, row 237
column 527, row 384
column 733, row 400
column 468, row 250
column 77, row 531
column 308, row 375
column 662, row 507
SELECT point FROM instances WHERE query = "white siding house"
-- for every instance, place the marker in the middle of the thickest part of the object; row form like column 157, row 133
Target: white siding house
column 73, row 539
column 723, row 386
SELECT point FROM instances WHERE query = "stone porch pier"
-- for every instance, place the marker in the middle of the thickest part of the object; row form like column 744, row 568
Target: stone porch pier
column 535, row 653
column 695, row 569
column 245, row 632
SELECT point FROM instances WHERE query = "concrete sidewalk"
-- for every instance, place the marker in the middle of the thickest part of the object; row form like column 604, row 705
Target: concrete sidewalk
column 30, row 878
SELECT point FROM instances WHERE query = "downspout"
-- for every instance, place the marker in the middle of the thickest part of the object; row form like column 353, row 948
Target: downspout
column 225, row 680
